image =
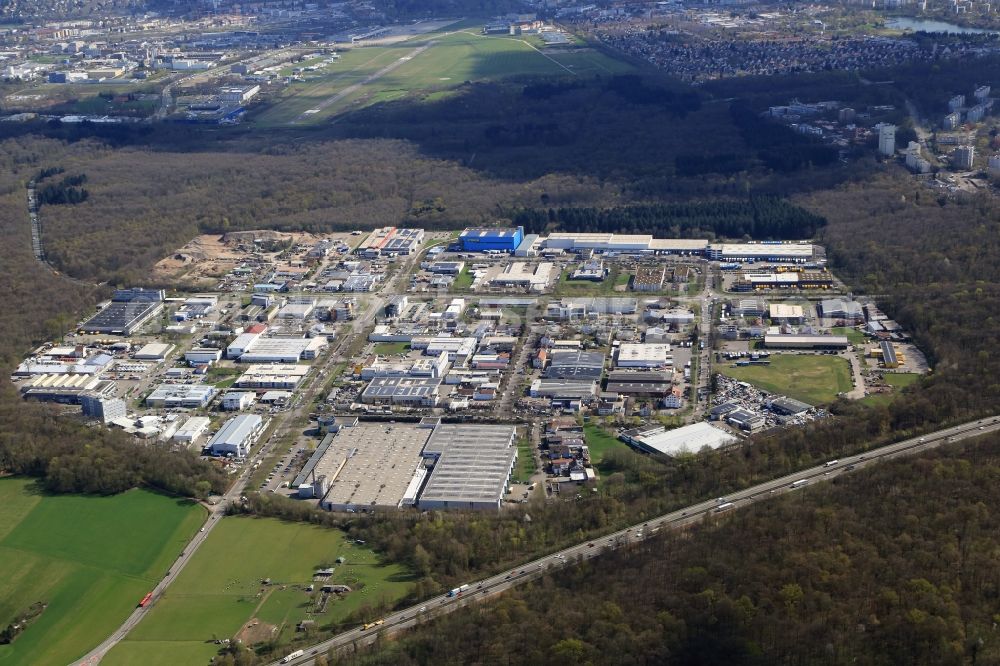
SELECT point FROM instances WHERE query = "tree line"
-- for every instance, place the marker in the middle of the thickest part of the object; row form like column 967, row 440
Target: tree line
column 759, row 218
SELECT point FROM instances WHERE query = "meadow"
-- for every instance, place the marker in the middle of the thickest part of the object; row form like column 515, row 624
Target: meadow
column 221, row 590
column 811, row 378
column 90, row 559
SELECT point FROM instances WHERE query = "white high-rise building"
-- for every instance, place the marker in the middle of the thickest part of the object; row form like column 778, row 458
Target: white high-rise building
column 914, row 160
column 887, row 139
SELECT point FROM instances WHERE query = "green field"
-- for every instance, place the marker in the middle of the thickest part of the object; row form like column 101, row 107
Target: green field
column 450, row 59
column 600, row 443
column 808, row 377
column 463, row 281
column 525, row 462
column 89, row 558
column 220, row 590
column 900, row 379
column 389, row 348
column 854, row 336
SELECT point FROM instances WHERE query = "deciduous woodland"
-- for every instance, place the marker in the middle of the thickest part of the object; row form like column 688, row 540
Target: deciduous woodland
column 895, row 566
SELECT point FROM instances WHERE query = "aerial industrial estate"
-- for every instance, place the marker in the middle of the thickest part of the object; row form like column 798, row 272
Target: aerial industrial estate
column 425, row 395
column 326, row 320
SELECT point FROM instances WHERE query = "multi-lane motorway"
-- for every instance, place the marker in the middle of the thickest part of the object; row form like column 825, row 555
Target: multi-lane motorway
column 484, row 588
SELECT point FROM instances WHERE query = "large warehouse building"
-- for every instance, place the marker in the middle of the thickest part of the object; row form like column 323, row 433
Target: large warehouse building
column 275, row 350
column 371, row 466
column 785, row 252
column 820, row 342
column 643, row 355
column 284, row 377
column 491, row 240
column 391, row 241
column 575, row 364
column 473, row 466
column 128, row 310
column 237, row 436
column 687, row 439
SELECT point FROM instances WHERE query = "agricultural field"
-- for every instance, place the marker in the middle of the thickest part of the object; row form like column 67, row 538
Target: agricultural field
column 429, row 66
column 220, row 593
column 812, row 378
column 90, row 559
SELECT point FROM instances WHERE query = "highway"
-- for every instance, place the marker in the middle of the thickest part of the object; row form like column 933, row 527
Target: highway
column 482, row 589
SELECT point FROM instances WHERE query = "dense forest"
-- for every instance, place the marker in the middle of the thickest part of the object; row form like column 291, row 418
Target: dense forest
column 759, row 218
column 608, row 128
column 65, row 454
column 69, row 457
column 894, row 565
column 145, row 202
column 66, row 191
column 778, row 146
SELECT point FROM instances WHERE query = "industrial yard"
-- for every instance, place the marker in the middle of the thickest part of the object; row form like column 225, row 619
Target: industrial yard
column 428, row 389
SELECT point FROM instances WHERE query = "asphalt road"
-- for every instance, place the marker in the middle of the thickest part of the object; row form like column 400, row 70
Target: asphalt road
column 286, row 420
column 482, row 589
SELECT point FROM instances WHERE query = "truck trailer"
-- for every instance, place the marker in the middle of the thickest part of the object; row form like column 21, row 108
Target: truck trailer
column 457, row 592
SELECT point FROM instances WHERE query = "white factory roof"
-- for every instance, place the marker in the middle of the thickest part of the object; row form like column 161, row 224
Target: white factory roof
column 646, row 353
column 192, row 428
column 678, row 244
column 803, row 250
column 154, row 350
column 783, row 311
column 265, row 349
column 687, row 439
column 236, row 431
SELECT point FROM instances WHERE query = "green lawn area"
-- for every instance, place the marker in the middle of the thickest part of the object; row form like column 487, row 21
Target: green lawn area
column 454, row 56
column 606, row 287
column 900, row 379
column 463, row 281
column 389, row 348
column 600, row 442
column 220, row 590
column 854, row 336
column 525, row 462
column 89, row 558
column 808, row 377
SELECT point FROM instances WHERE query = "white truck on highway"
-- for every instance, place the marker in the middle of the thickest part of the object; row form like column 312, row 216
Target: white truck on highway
column 292, row 655
column 457, row 591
